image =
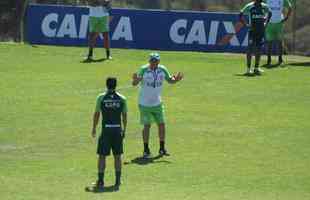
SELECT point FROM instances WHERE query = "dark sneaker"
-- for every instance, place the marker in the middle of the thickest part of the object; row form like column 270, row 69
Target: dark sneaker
column 163, row 152
column 88, row 59
column 98, row 185
column 258, row 71
column 117, row 183
column 248, row 72
column 146, row 154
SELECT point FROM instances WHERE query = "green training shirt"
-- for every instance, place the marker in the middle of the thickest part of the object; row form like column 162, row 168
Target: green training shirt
column 257, row 14
column 111, row 105
column 152, row 84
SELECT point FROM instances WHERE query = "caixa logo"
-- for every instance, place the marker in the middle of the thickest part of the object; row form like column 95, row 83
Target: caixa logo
column 53, row 26
column 183, row 33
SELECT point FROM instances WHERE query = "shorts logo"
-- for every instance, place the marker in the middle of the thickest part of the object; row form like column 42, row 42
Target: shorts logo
column 250, row 41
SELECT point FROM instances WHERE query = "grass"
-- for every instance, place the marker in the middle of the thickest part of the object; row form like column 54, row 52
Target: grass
column 231, row 137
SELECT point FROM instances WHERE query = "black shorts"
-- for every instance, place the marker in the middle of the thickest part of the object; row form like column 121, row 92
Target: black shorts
column 256, row 38
column 111, row 138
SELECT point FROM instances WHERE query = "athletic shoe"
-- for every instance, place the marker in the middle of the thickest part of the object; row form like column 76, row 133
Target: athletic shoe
column 117, row 183
column 248, row 72
column 163, row 152
column 109, row 58
column 88, row 59
column 98, row 185
column 146, row 154
column 258, row 71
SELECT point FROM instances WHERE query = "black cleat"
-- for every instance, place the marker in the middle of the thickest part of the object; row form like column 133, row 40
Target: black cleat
column 146, row 154
column 163, row 152
column 117, row 184
column 99, row 185
column 258, row 71
column 248, row 72
column 88, row 59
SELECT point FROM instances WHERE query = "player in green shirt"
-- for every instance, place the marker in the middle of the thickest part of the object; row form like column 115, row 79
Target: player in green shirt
column 113, row 109
column 99, row 17
column 151, row 78
column 258, row 15
column 274, row 30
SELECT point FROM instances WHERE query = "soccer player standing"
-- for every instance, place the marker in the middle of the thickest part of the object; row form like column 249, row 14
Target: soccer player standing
column 99, row 23
column 113, row 109
column 259, row 16
column 151, row 78
column 274, row 30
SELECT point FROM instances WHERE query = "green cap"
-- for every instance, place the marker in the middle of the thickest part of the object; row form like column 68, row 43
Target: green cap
column 154, row 57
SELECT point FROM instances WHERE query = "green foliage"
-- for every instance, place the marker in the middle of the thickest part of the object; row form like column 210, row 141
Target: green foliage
column 231, row 137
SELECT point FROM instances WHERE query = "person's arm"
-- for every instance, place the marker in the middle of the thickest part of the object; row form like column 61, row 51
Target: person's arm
column 175, row 78
column 242, row 19
column 269, row 15
column 244, row 11
column 172, row 79
column 124, row 120
column 288, row 5
column 136, row 79
column 124, row 117
column 96, row 117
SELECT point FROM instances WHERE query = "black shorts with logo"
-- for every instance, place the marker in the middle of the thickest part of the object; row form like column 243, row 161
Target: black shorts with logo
column 110, row 139
column 256, row 38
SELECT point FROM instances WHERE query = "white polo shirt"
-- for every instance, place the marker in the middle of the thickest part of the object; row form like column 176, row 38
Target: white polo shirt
column 98, row 11
column 276, row 7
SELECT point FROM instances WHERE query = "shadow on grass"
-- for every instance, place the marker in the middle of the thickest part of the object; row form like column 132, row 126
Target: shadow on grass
column 93, row 60
column 252, row 75
column 273, row 66
column 106, row 189
column 300, row 64
column 146, row 161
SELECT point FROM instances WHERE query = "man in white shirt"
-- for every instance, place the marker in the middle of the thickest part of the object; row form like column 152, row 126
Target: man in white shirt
column 274, row 30
column 151, row 78
column 99, row 23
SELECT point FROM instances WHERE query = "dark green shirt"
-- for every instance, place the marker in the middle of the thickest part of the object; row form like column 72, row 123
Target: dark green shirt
column 111, row 105
column 257, row 15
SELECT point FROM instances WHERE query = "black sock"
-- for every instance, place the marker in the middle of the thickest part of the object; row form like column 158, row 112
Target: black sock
column 90, row 52
column 146, row 147
column 108, row 53
column 269, row 58
column 280, row 58
column 118, row 177
column 100, row 177
column 256, row 66
column 162, row 145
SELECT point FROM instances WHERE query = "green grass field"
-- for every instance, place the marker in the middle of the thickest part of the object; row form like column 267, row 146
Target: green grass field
column 231, row 137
